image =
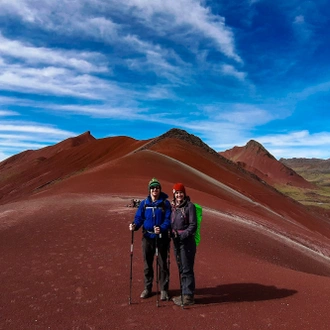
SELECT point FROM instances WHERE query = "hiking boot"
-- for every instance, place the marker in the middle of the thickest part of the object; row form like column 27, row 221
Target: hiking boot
column 145, row 294
column 186, row 301
column 164, row 295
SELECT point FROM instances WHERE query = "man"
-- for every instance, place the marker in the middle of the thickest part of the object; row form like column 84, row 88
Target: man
column 153, row 215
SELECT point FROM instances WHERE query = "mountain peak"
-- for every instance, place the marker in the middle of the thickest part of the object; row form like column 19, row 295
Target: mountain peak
column 75, row 141
column 257, row 159
column 82, row 138
column 176, row 133
column 258, row 148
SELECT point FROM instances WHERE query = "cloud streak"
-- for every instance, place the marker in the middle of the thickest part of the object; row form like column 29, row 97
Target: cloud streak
column 80, row 61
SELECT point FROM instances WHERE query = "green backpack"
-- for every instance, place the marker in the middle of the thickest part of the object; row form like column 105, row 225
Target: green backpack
column 199, row 215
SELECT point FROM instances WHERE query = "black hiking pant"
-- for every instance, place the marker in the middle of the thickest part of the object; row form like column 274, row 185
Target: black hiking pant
column 148, row 252
column 185, row 251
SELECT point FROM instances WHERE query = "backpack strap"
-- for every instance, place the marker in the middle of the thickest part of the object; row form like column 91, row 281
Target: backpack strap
column 160, row 206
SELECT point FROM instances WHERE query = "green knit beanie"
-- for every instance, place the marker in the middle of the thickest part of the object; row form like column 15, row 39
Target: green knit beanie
column 154, row 182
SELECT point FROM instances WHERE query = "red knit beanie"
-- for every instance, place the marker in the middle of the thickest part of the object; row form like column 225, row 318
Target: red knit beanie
column 179, row 187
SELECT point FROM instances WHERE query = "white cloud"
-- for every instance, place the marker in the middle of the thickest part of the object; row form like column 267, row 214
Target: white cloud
column 240, row 114
column 4, row 113
column 298, row 138
column 159, row 16
column 157, row 59
column 302, row 29
column 4, row 100
column 298, row 153
column 231, row 71
column 297, row 144
column 36, row 71
column 158, row 92
column 9, row 144
column 300, row 19
column 65, row 79
column 99, row 28
column 190, row 13
column 81, row 61
column 51, row 80
column 18, row 7
column 311, row 90
column 102, row 111
column 35, row 128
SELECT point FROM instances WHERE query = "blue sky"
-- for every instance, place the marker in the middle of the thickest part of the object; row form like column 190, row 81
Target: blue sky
column 225, row 71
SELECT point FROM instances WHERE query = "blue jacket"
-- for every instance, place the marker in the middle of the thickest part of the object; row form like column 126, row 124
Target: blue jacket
column 150, row 214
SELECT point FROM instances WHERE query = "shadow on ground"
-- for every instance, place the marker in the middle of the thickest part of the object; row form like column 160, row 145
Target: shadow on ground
column 238, row 292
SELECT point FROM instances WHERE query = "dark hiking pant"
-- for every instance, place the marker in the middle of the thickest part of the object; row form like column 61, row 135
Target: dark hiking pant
column 185, row 251
column 149, row 251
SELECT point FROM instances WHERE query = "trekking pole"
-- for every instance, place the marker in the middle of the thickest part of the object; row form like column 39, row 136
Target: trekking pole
column 178, row 259
column 168, row 258
column 157, row 273
column 131, row 270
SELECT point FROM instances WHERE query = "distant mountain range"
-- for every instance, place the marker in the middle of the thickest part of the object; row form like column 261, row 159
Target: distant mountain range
column 284, row 175
column 306, row 180
column 313, row 169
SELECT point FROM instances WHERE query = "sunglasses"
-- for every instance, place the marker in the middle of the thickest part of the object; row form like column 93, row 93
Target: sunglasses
column 155, row 187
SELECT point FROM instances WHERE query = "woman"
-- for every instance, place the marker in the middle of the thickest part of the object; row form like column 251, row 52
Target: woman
column 183, row 227
column 153, row 215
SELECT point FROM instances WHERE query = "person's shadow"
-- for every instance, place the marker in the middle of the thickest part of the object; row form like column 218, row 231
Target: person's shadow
column 238, row 292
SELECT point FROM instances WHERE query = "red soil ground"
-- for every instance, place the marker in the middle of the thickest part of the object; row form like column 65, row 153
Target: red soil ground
column 263, row 262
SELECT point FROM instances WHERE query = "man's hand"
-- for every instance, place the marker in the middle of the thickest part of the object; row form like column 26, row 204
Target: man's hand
column 132, row 226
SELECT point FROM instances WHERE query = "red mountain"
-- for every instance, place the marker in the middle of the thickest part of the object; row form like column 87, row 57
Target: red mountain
column 256, row 159
column 263, row 261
